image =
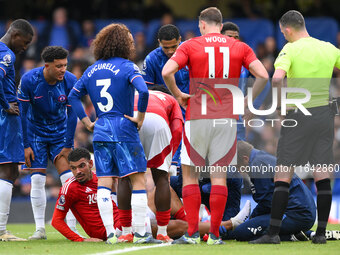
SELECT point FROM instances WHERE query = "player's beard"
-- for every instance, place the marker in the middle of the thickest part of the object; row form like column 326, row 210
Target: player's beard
column 82, row 179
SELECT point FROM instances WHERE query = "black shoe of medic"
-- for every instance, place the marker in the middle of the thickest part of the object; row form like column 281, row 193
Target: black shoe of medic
column 267, row 239
column 301, row 236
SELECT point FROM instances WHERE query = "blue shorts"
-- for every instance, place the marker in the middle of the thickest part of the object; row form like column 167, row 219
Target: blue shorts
column 11, row 139
column 44, row 150
column 119, row 159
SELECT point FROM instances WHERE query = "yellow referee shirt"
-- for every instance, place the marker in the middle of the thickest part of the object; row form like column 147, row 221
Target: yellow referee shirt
column 309, row 64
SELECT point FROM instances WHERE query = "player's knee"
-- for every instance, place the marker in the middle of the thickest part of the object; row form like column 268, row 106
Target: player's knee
column 137, row 181
column 160, row 177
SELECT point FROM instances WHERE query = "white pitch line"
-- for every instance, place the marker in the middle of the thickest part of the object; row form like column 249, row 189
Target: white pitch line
column 136, row 248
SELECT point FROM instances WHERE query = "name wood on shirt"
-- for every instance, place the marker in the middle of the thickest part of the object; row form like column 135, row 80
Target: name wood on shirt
column 215, row 39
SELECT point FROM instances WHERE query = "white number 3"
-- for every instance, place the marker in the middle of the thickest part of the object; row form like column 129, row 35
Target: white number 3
column 103, row 93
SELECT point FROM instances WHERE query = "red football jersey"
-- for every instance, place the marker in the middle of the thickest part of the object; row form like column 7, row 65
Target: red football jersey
column 214, row 56
column 163, row 105
column 82, row 200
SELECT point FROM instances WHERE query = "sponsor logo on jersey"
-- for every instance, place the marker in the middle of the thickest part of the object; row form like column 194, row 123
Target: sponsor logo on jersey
column 87, row 190
column 62, row 200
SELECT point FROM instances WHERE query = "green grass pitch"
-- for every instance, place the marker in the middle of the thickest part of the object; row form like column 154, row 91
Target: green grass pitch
column 57, row 244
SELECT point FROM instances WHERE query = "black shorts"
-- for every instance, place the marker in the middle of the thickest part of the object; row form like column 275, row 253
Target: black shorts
column 310, row 141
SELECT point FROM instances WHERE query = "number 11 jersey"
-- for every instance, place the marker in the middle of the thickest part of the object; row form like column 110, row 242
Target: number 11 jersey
column 213, row 56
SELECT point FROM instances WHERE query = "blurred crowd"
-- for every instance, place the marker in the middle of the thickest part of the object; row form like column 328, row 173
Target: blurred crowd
column 60, row 31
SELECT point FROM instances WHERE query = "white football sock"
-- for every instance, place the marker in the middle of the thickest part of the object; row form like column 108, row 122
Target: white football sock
column 126, row 230
column 5, row 202
column 242, row 215
column 64, row 176
column 105, row 207
column 38, row 199
column 70, row 219
column 161, row 230
column 138, row 206
column 114, row 198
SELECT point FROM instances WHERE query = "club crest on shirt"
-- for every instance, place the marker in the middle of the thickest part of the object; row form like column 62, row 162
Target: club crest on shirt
column 62, row 98
column 6, row 60
column 62, row 200
column 136, row 68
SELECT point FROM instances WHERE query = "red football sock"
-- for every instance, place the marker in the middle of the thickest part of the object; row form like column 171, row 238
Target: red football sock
column 125, row 217
column 163, row 217
column 218, row 199
column 180, row 214
column 192, row 202
column 116, row 218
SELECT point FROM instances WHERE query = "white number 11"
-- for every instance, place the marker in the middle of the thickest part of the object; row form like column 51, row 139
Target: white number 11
column 211, row 61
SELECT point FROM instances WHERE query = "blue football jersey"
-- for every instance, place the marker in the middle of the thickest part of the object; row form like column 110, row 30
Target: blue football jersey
column 110, row 86
column 46, row 114
column 300, row 197
column 8, row 90
column 152, row 71
column 241, row 129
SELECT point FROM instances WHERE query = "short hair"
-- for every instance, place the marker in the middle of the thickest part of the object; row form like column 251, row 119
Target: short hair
column 293, row 19
column 211, row 15
column 230, row 26
column 113, row 41
column 22, row 26
column 78, row 154
column 168, row 32
column 50, row 53
column 161, row 88
column 243, row 149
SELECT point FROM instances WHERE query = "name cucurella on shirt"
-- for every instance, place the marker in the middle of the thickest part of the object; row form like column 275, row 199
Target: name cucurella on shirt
column 107, row 66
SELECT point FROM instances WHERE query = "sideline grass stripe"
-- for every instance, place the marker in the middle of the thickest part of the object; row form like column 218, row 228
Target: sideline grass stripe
column 136, row 248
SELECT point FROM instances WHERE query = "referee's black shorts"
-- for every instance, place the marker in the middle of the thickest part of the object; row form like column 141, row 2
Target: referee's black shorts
column 310, row 141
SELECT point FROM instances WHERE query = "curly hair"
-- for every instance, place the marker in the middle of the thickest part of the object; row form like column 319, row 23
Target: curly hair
column 50, row 53
column 114, row 40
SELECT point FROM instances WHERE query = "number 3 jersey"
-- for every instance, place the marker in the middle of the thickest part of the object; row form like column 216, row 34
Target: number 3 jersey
column 213, row 57
column 111, row 86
